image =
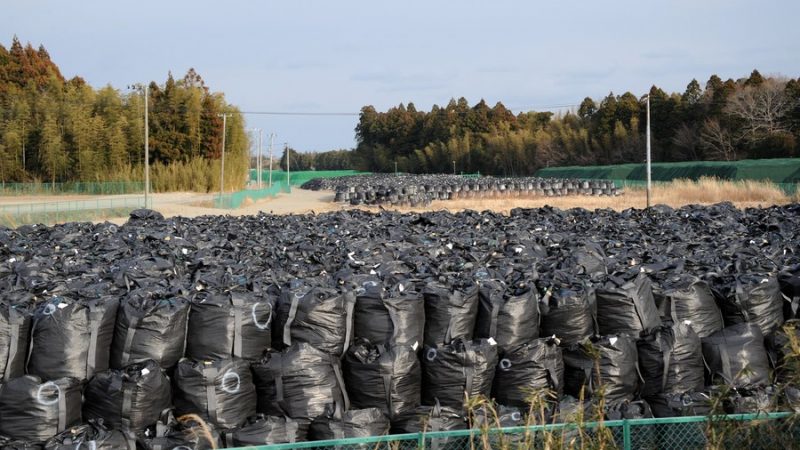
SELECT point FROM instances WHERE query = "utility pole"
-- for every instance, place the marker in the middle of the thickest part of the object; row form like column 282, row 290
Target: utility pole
column 146, row 90
column 222, row 166
column 288, row 175
column 23, row 144
column 271, row 137
column 454, row 167
column 395, row 168
column 258, row 164
column 649, row 181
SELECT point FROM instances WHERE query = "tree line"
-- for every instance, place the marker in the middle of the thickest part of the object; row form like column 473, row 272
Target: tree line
column 752, row 117
column 58, row 130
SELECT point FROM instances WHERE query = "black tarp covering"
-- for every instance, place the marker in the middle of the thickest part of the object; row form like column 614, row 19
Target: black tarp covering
column 316, row 315
column 430, row 418
column 377, row 376
column 391, row 315
column 349, row 424
column 72, row 338
column 507, row 313
column 93, row 435
column 133, row 396
column 221, row 392
column 736, row 356
column 150, row 327
column 449, row 371
column 529, row 368
column 626, row 306
column 450, row 310
column 300, row 382
column 610, row 361
column 234, row 323
column 35, row 410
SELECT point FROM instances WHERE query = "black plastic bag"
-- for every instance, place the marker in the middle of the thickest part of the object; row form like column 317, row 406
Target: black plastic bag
column 789, row 281
column 431, row 418
column 268, row 430
column 36, row 410
column 150, row 328
column 7, row 443
column 615, row 368
column 320, row 316
column 449, row 372
column 394, row 316
column 349, row 424
column 93, row 435
column 755, row 298
column 502, row 417
column 694, row 301
column 450, row 312
column 757, row 400
column 71, row 338
column 568, row 313
column 377, row 376
column 627, row 306
column 779, row 347
column 299, row 382
column 171, row 434
column 680, row 404
column 15, row 324
column 231, row 324
column 626, row 409
column 671, row 360
column 221, row 392
column 509, row 314
column 133, row 396
column 533, row 367
column 736, row 356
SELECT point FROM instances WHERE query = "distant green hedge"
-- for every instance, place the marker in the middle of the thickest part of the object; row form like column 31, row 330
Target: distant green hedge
column 784, row 172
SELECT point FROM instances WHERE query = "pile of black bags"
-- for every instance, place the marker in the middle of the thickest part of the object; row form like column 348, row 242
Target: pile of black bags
column 223, row 331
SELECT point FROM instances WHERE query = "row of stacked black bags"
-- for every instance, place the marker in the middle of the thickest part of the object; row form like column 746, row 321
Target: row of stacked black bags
column 153, row 336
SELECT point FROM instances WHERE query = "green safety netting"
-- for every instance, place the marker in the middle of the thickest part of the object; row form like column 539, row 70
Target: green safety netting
column 300, row 177
column 236, row 199
column 784, row 172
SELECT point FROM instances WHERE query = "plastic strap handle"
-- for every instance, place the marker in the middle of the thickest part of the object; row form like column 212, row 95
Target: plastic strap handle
column 94, row 325
column 667, row 355
column 62, row 410
column 741, row 302
column 348, row 326
column 210, row 379
column 237, row 326
column 726, row 364
column 393, row 317
column 279, row 384
column 291, row 430
column 287, row 327
column 387, row 386
column 493, row 323
column 13, row 323
column 469, row 370
column 126, row 349
column 448, row 335
column 337, row 370
column 126, row 406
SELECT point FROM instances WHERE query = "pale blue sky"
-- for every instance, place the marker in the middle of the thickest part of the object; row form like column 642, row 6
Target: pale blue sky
column 336, row 56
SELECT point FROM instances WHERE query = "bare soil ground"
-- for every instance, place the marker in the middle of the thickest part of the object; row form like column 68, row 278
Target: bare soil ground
column 300, row 201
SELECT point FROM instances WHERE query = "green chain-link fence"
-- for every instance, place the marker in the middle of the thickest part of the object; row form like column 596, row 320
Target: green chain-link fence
column 742, row 431
column 16, row 214
column 83, row 188
column 300, row 177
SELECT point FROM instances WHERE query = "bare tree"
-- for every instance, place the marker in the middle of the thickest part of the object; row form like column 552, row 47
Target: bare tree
column 720, row 143
column 762, row 108
column 688, row 140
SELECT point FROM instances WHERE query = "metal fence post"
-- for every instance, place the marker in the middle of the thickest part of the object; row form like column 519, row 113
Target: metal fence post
column 420, row 441
column 626, row 434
